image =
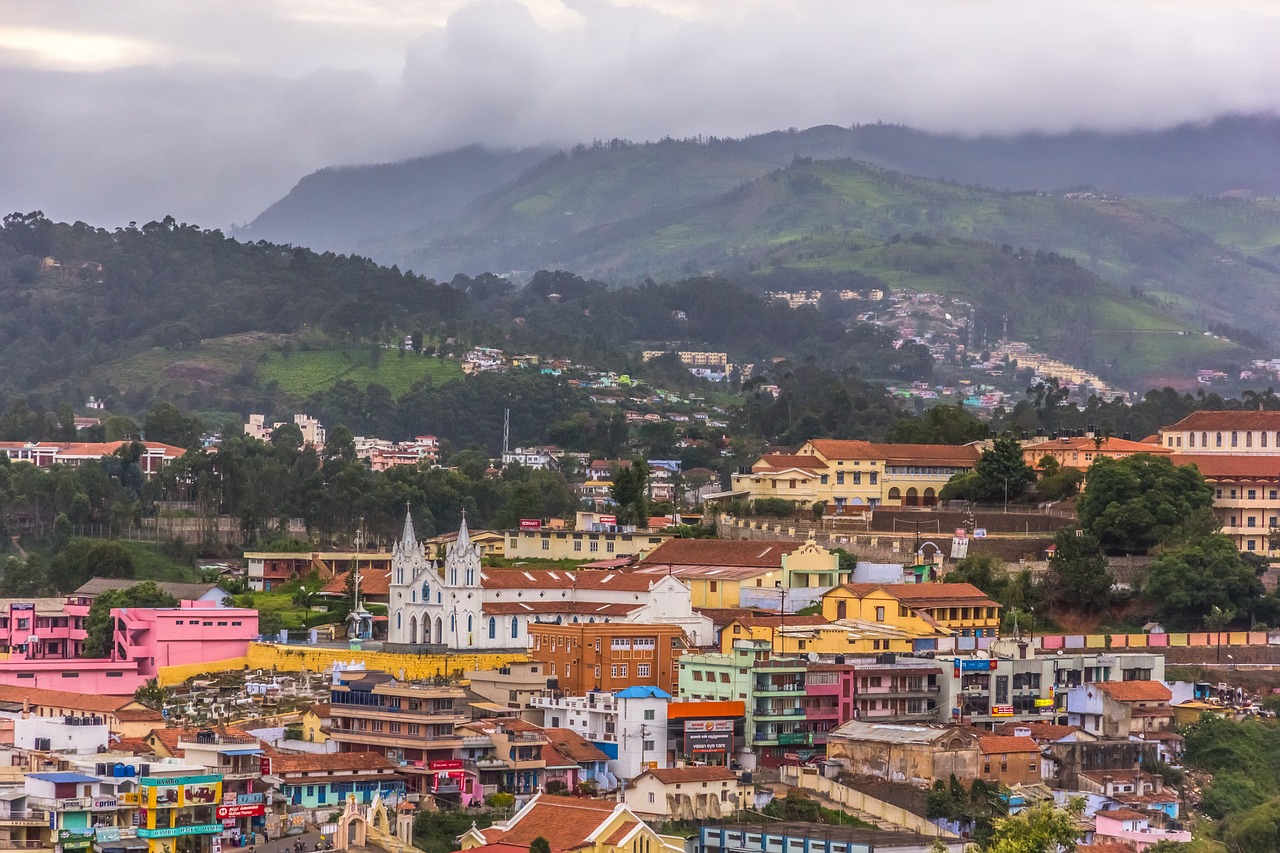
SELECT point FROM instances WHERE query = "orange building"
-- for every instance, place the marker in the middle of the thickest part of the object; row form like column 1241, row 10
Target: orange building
column 608, row 656
column 1082, row 452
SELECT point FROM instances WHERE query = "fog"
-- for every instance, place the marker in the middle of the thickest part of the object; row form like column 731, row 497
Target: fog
column 210, row 111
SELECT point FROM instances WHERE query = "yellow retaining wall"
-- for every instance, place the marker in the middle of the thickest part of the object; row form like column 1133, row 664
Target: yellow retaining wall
column 168, row 676
column 298, row 658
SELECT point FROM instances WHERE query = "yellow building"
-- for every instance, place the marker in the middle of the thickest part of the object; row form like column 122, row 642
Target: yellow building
column 585, row 545
column 847, row 475
column 745, row 573
column 572, row 824
column 865, row 618
column 955, row 608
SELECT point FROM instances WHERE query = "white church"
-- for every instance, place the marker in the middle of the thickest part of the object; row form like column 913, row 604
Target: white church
column 457, row 604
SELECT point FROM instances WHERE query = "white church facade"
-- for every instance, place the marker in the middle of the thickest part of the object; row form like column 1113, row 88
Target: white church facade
column 460, row 605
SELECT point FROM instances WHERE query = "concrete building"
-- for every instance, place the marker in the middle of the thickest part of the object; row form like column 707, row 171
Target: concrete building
column 915, row 755
column 630, row 726
column 607, row 657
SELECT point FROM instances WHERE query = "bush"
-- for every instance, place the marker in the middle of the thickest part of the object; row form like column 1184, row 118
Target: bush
column 773, row 506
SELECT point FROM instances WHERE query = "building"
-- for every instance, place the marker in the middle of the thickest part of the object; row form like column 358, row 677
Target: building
column 912, row 754
column 125, row 716
column 324, row 781
column 747, row 573
column 1246, row 496
column 1253, row 433
column 584, row 656
column 855, row 475
column 313, row 433
column 458, row 604
column 543, row 544
column 270, row 568
column 155, row 456
column 511, row 686
column 1120, row 709
column 685, row 793
column 571, row 825
column 1009, row 760
column 630, row 726
column 410, row 724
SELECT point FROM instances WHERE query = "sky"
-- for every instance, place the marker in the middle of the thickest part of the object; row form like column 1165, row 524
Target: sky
column 210, row 110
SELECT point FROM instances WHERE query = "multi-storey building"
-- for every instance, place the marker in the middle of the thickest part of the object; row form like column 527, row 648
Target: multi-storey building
column 629, row 726
column 853, row 475
column 412, row 724
column 458, row 604
column 599, row 656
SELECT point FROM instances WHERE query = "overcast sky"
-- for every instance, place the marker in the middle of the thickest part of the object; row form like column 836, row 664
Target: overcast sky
column 210, row 110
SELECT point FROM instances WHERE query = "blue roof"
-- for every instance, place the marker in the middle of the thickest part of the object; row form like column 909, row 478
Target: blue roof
column 63, row 777
column 639, row 692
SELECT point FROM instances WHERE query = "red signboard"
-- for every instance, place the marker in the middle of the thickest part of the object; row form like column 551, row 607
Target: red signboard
column 608, row 519
column 530, row 524
column 255, row 810
column 447, row 764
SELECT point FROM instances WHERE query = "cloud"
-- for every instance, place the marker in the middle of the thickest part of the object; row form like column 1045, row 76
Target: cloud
column 210, row 111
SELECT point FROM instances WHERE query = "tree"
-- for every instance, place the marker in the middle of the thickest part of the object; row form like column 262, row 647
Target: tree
column 1078, row 575
column 1136, row 503
column 1040, row 829
column 1187, row 583
column 1001, row 472
column 99, row 625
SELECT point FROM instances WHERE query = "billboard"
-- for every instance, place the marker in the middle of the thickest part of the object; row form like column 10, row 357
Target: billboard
column 708, row 736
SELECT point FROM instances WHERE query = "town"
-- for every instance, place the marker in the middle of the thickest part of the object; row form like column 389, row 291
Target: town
column 858, row 645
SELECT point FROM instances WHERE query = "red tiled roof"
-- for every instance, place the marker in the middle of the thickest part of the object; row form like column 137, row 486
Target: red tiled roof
column 1239, row 420
column 372, row 582
column 998, row 744
column 672, row 775
column 1039, row 731
column 574, row 746
column 762, row 554
column 559, row 579
column 1222, row 465
column 1135, row 691
column 565, row 822
column 304, row 762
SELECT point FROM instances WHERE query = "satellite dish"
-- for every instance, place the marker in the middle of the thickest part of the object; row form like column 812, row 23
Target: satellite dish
column 813, row 657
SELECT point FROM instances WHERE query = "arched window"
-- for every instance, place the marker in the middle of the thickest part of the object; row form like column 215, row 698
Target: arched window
column 493, row 628
column 515, row 627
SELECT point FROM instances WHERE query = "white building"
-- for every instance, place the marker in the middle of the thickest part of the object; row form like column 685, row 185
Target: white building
column 629, row 726
column 458, row 604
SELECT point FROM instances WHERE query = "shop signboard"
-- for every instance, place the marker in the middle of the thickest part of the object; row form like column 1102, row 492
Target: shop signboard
column 703, row 736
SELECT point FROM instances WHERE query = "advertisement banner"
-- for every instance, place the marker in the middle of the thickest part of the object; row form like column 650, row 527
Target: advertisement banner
column 708, row 736
column 231, row 812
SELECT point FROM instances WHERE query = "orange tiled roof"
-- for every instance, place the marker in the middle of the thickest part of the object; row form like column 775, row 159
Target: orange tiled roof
column 1214, row 421
column 1136, row 691
column 998, row 744
column 565, row 822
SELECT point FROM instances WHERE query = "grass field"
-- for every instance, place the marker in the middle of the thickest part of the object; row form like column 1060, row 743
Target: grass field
column 306, row 372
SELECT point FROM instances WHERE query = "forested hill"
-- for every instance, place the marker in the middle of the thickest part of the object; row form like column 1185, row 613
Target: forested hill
column 354, row 207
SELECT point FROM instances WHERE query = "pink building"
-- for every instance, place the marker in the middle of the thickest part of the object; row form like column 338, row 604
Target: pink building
column 1135, row 827
column 42, row 628
column 192, row 633
column 44, row 639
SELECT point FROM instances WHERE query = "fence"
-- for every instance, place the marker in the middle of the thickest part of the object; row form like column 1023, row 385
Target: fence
column 809, row 779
